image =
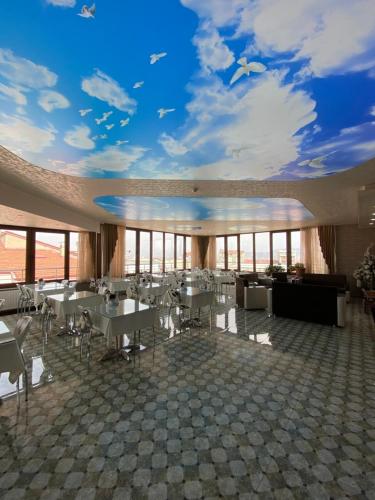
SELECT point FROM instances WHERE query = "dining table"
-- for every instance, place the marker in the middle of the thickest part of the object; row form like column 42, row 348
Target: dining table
column 115, row 320
column 195, row 299
column 152, row 290
column 39, row 291
column 119, row 284
column 67, row 305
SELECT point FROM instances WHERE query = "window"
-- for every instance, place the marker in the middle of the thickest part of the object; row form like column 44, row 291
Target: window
column 130, row 251
column 262, row 251
column 49, row 256
column 12, row 256
column 232, row 252
column 144, row 252
column 295, row 237
column 157, row 252
column 169, row 252
column 220, row 252
column 246, row 252
column 73, row 255
column 279, row 251
column 188, row 252
column 179, row 252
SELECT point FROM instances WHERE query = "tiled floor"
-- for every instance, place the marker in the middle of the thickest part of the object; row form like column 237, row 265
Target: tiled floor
column 256, row 408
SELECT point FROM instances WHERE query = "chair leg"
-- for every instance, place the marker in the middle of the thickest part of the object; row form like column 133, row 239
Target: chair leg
column 26, row 385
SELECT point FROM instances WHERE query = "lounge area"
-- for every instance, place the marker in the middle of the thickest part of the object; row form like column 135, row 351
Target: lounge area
column 187, row 250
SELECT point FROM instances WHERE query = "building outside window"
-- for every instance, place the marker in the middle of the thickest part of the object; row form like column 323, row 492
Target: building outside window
column 279, row 250
column 232, row 245
column 262, row 251
column 12, row 256
column 220, row 252
column 49, row 255
column 295, row 237
column 157, row 252
column 130, row 251
column 73, row 255
column 169, row 252
column 179, row 252
column 246, row 252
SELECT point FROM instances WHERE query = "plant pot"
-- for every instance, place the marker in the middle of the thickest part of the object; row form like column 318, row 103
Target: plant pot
column 300, row 272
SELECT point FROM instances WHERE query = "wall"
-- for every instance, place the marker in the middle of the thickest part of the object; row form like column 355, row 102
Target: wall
column 352, row 243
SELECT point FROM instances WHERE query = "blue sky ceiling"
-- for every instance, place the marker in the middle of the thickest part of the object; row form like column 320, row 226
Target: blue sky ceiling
column 203, row 208
column 213, row 89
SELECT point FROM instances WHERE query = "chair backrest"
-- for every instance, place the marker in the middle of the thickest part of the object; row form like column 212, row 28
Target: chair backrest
column 85, row 321
column 21, row 329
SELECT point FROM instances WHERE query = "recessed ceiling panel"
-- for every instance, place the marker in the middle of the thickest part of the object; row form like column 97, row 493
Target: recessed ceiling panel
column 194, row 209
column 189, row 89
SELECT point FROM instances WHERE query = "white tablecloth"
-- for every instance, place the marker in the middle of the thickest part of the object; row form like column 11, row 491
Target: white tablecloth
column 119, row 285
column 39, row 292
column 130, row 315
column 152, row 289
column 196, row 298
column 64, row 304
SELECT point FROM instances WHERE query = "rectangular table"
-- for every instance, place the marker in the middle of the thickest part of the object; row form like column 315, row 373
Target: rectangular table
column 39, row 292
column 119, row 285
column 5, row 333
column 152, row 290
column 195, row 298
column 66, row 304
column 128, row 316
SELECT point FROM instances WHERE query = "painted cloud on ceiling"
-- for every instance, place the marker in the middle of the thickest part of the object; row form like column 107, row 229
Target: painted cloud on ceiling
column 203, row 208
column 213, row 89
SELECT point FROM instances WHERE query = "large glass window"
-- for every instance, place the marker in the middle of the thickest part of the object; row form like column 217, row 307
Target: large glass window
column 73, row 255
column 295, row 247
column 232, row 252
column 169, row 252
column 49, row 255
column 157, row 252
column 144, row 251
column 246, row 252
column 179, row 252
column 262, row 251
column 130, row 251
column 279, row 251
column 188, row 252
column 12, row 256
column 220, row 252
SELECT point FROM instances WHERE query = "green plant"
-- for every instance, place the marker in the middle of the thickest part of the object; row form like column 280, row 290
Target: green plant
column 274, row 269
column 291, row 269
column 299, row 265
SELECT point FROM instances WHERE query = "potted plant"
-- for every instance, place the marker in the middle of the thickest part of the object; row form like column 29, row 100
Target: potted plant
column 291, row 269
column 274, row 269
column 299, row 268
column 365, row 272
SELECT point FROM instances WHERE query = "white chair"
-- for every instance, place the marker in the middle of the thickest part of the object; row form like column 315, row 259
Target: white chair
column 11, row 357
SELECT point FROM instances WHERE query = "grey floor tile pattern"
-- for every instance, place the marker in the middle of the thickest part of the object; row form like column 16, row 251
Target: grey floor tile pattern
column 255, row 408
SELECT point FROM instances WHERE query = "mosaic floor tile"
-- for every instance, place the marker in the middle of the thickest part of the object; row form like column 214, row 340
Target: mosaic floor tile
column 254, row 408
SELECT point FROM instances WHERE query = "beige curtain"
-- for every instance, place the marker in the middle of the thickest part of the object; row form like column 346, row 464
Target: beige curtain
column 86, row 256
column 199, row 251
column 311, row 251
column 195, row 256
column 117, row 266
column 211, row 261
column 109, row 235
column 327, row 238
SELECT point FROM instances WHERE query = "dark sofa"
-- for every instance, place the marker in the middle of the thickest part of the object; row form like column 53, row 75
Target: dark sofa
column 305, row 302
column 337, row 280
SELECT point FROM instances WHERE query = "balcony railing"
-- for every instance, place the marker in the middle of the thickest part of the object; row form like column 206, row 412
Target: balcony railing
column 12, row 276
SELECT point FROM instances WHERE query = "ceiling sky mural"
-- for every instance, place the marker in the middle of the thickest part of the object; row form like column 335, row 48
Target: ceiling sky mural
column 203, row 208
column 189, row 89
